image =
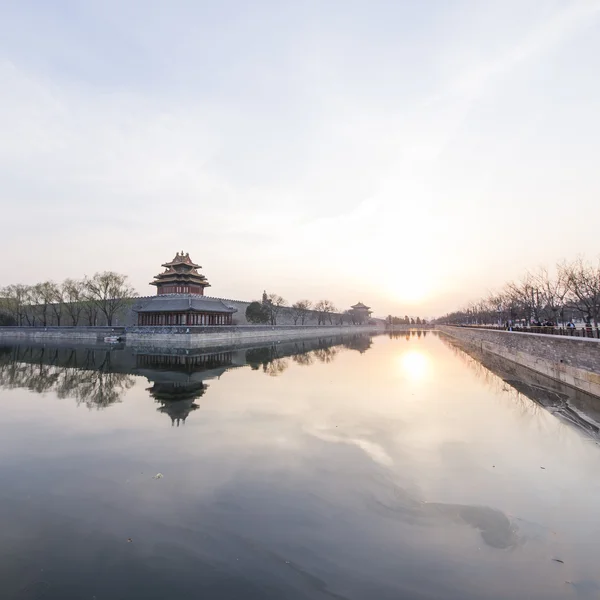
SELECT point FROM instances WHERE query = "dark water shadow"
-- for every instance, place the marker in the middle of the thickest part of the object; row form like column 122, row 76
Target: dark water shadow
column 574, row 406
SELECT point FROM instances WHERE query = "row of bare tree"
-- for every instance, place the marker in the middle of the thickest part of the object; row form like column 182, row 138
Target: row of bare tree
column 540, row 297
column 72, row 302
column 405, row 321
column 273, row 305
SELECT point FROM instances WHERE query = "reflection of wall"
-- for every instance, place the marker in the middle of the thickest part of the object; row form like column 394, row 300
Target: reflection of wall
column 573, row 361
column 574, row 405
column 184, row 362
column 100, row 376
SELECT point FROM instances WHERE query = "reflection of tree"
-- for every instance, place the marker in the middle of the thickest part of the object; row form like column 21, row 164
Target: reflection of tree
column 326, row 355
column 360, row 342
column 275, row 367
column 303, row 359
column 269, row 358
column 406, row 334
column 96, row 388
column 257, row 357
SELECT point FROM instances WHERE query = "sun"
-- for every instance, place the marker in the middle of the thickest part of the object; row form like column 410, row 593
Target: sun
column 410, row 288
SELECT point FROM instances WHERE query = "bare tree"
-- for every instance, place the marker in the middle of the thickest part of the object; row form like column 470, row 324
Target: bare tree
column 57, row 303
column 32, row 302
column 90, row 311
column 46, row 293
column 109, row 292
column 274, row 305
column 74, row 296
column 325, row 310
column 582, row 280
column 300, row 311
column 528, row 295
column 14, row 300
column 553, row 291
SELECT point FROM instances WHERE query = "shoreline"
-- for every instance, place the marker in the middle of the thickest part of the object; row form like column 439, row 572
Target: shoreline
column 179, row 337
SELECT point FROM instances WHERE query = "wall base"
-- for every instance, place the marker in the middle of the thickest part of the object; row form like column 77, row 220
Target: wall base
column 572, row 361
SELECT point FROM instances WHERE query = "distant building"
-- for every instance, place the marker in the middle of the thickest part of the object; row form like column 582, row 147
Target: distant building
column 180, row 298
column 361, row 312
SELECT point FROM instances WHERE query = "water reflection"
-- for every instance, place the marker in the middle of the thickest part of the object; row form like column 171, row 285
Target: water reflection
column 407, row 334
column 99, row 377
column 494, row 526
column 86, row 375
column 572, row 405
column 316, row 471
column 415, row 365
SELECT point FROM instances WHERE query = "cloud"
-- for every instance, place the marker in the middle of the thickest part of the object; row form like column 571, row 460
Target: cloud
column 309, row 144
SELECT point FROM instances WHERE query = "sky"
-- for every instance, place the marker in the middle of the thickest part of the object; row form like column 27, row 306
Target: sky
column 409, row 155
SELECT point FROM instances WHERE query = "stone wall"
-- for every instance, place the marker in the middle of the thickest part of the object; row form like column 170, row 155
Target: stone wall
column 285, row 316
column 182, row 337
column 59, row 334
column 573, row 361
column 196, row 337
column 127, row 316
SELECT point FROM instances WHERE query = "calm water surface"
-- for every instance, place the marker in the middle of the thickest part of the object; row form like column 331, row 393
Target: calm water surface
column 389, row 468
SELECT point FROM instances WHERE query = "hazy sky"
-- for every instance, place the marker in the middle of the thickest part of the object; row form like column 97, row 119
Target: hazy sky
column 408, row 154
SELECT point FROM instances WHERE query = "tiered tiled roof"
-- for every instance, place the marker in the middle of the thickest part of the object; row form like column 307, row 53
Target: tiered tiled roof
column 180, row 271
column 360, row 306
column 185, row 303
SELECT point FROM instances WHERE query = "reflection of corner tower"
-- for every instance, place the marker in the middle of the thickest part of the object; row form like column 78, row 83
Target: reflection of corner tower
column 176, row 399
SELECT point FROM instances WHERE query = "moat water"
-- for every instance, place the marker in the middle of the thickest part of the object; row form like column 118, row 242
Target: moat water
column 357, row 468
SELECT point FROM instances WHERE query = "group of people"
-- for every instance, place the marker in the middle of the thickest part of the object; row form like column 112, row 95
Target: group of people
column 546, row 326
column 536, row 323
column 546, row 323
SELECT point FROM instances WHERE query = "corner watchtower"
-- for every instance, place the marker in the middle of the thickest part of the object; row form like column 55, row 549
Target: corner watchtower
column 180, row 276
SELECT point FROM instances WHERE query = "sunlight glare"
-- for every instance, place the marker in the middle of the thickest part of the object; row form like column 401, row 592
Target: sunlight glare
column 414, row 365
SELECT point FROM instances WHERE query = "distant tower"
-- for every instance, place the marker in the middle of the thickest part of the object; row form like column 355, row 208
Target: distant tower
column 361, row 312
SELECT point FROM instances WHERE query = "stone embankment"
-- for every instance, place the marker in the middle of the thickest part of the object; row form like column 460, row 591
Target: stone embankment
column 573, row 361
column 180, row 337
column 59, row 334
column 193, row 337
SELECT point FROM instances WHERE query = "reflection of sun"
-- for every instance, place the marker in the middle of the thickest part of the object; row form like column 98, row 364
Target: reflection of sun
column 414, row 364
